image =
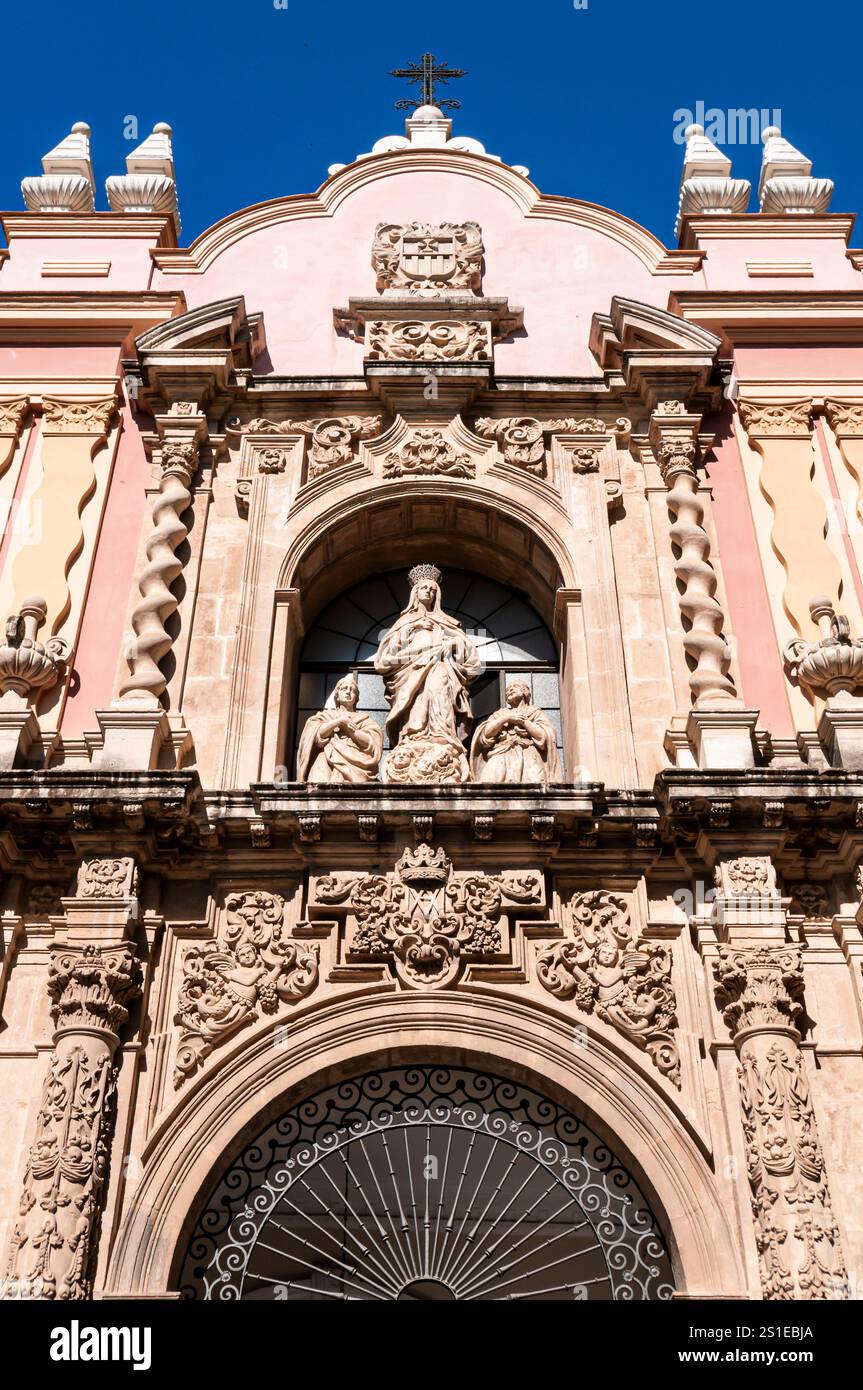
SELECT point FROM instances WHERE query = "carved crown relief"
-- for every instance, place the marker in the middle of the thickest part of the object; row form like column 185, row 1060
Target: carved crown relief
column 424, row 919
column 423, row 259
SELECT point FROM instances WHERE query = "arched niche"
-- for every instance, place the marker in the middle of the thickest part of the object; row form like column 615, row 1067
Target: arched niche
column 512, row 642
column 214, row 1121
column 468, row 529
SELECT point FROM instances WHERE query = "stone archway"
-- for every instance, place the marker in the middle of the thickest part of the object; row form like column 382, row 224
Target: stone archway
column 209, row 1128
column 426, row 1183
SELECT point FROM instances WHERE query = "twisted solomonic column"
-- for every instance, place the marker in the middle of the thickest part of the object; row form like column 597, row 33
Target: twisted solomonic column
column 673, row 435
column 179, row 459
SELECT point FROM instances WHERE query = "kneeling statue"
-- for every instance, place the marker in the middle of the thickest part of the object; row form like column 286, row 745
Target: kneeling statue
column 341, row 744
column 516, row 744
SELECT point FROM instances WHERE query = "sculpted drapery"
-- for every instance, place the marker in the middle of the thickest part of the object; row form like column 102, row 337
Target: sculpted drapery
column 428, row 663
column 516, row 744
column 340, row 745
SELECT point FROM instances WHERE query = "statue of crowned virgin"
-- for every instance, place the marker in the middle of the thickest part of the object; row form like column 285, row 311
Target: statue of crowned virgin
column 428, row 662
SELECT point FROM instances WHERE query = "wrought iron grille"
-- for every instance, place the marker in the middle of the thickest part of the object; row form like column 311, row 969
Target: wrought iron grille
column 427, row 1183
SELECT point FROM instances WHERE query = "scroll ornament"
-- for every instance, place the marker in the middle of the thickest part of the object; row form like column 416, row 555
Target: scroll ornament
column 227, row 984
column 522, row 440
column 424, row 918
column 608, row 971
column 331, row 440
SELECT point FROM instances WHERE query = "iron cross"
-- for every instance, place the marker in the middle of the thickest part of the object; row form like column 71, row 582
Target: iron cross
column 425, row 74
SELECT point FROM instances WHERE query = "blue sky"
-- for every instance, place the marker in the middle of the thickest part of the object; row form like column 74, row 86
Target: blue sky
column 263, row 99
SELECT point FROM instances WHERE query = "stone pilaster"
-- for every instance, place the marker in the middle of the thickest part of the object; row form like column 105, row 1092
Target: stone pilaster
column 759, row 988
column 93, row 976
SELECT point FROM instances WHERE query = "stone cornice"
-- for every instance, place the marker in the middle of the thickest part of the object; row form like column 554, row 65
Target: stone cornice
column 78, row 226
column 640, row 242
column 752, row 226
column 85, row 315
column 779, row 315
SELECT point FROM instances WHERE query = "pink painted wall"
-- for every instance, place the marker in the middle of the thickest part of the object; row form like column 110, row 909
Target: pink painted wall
column 298, row 271
column 725, row 263
column 131, row 266
column 785, row 362
column 761, row 672
column 66, row 363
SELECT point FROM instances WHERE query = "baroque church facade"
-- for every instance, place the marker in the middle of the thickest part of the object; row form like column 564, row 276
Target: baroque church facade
column 431, row 737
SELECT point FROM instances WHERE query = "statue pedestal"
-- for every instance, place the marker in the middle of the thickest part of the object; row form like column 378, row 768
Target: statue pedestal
column 19, row 731
column 723, row 738
column 841, row 734
column 133, row 735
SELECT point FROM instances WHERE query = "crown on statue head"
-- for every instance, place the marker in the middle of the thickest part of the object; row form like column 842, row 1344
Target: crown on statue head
column 420, row 573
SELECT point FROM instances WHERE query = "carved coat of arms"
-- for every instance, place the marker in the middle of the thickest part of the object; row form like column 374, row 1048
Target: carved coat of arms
column 423, row 259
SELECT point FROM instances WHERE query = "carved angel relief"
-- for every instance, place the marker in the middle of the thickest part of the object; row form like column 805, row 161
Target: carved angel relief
column 425, row 918
column 423, row 259
column 608, row 971
column 253, row 967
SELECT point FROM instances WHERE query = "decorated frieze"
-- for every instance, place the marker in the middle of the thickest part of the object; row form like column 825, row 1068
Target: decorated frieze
column 435, row 340
column 607, row 968
column 332, row 441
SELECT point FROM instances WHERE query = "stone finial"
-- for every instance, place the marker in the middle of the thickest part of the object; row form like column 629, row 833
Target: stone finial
column 832, row 667
column 149, row 184
column 66, row 183
column 28, row 666
column 706, row 185
column 786, row 184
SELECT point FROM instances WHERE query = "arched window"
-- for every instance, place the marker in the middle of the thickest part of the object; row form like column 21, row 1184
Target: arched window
column 511, row 639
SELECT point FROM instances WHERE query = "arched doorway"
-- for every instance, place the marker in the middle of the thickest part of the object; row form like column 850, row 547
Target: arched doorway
column 512, row 641
column 427, row 1183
